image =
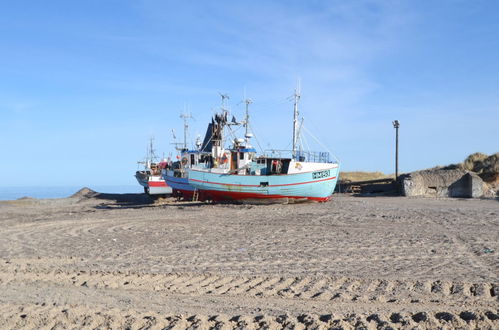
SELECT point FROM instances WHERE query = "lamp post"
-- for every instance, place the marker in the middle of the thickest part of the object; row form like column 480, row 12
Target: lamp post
column 396, row 125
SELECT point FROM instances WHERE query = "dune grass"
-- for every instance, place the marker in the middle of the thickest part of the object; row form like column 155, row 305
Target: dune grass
column 487, row 167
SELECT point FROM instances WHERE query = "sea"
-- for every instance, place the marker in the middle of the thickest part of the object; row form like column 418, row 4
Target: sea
column 11, row 193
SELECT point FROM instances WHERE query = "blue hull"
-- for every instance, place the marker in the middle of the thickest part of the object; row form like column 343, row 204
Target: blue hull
column 317, row 185
column 181, row 184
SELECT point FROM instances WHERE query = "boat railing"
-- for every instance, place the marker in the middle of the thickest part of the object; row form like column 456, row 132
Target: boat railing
column 302, row 156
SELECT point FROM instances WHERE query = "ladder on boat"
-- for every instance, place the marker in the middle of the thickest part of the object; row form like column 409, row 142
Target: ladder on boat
column 195, row 195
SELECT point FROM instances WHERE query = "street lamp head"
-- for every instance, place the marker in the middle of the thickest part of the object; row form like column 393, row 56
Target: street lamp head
column 396, row 124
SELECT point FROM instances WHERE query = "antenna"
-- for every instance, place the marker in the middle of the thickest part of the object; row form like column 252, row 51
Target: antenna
column 224, row 106
column 174, row 136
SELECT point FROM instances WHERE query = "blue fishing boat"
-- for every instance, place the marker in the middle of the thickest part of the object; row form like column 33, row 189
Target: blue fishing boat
column 316, row 182
column 180, row 185
column 175, row 174
column 237, row 173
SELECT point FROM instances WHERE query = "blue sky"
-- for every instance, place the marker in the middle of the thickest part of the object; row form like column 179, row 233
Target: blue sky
column 84, row 84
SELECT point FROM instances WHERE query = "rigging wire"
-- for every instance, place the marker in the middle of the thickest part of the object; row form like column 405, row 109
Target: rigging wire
column 321, row 144
column 303, row 137
column 233, row 132
column 266, row 107
column 256, row 139
column 314, row 127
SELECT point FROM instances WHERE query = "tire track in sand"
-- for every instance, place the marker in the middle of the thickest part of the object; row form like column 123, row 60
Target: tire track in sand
column 321, row 288
column 14, row 316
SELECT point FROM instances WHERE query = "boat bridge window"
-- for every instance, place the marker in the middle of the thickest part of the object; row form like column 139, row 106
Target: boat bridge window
column 192, row 159
column 278, row 165
column 206, row 159
column 241, row 155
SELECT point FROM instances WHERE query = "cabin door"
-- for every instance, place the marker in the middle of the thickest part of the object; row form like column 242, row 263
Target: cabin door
column 233, row 161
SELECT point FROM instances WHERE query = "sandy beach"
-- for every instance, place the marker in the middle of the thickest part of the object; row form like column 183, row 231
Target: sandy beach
column 124, row 262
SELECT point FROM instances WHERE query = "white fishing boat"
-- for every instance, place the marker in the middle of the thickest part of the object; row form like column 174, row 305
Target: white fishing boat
column 150, row 177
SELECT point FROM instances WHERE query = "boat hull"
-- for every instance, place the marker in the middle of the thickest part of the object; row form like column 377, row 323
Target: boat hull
column 315, row 185
column 180, row 186
column 153, row 184
column 142, row 179
column 158, row 186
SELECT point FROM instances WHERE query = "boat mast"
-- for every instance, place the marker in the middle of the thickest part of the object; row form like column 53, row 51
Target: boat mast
column 295, row 120
column 151, row 155
column 225, row 111
column 185, row 117
column 151, row 141
column 246, row 121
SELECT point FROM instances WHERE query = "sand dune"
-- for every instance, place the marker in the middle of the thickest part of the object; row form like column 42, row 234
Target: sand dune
column 88, row 262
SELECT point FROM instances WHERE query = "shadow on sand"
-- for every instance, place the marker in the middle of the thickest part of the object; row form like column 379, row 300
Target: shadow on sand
column 115, row 200
column 126, row 199
column 121, row 201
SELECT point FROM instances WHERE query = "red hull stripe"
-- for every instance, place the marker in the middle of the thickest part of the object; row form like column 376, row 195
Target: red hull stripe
column 186, row 193
column 157, row 184
column 253, row 185
column 226, row 195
